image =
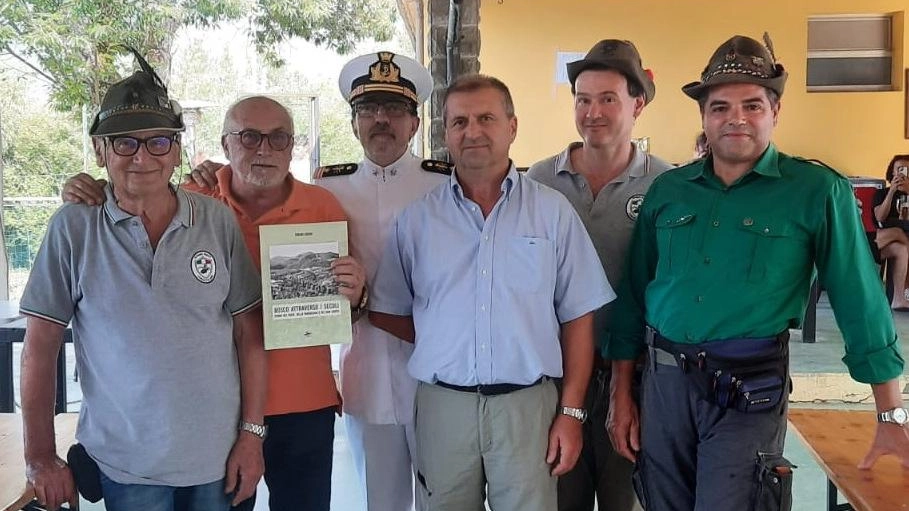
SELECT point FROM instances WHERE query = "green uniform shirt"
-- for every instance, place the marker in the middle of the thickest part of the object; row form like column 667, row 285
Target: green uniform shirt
column 711, row 262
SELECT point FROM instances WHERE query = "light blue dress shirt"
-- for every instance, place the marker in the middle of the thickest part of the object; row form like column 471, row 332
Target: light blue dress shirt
column 488, row 296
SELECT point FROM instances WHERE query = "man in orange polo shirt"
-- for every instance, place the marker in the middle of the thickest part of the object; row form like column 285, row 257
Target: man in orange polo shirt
column 302, row 397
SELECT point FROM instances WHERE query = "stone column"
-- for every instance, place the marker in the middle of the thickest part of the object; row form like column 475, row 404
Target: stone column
column 469, row 63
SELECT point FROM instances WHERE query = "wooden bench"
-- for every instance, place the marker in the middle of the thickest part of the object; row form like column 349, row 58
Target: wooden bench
column 838, row 440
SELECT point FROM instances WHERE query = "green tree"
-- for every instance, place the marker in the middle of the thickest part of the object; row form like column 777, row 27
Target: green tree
column 41, row 148
column 73, row 45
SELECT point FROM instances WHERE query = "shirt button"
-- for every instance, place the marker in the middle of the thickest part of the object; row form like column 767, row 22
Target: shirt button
column 485, row 238
column 716, row 223
column 706, row 260
column 483, row 272
column 482, row 307
column 699, row 298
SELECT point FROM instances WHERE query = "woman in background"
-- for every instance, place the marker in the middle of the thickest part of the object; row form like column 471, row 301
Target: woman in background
column 891, row 210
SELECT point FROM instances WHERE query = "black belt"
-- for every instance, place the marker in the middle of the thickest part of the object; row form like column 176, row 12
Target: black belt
column 494, row 389
column 696, row 355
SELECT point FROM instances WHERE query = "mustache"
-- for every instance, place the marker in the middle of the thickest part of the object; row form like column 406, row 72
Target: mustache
column 381, row 129
column 479, row 141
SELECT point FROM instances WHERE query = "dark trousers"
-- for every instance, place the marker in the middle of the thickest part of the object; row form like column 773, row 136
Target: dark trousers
column 298, row 455
column 600, row 473
column 694, row 454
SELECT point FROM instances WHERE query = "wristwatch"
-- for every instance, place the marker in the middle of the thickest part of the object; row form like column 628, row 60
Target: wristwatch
column 360, row 310
column 364, row 299
column 896, row 415
column 256, row 429
column 578, row 413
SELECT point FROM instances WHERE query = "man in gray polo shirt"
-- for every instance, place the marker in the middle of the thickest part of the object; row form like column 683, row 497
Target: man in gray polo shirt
column 163, row 300
column 605, row 178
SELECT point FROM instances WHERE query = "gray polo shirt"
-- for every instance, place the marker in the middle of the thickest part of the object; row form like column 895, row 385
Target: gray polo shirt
column 609, row 218
column 154, row 334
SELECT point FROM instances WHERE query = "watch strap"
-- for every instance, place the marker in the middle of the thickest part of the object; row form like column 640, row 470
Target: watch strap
column 576, row 413
column 896, row 415
column 259, row 430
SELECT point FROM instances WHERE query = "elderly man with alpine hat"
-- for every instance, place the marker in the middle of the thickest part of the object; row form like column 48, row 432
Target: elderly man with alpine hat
column 605, row 177
column 163, row 299
column 384, row 91
column 720, row 265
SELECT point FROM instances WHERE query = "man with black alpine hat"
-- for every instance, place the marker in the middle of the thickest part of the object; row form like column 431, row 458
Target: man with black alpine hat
column 605, row 177
column 302, row 395
column 163, row 299
column 384, row 91
column 721, row 262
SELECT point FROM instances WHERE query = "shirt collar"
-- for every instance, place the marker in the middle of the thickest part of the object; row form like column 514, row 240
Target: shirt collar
column 296, row 201
column 563, row 159
column 393, row 170
column 507, row 184
column 637, row 167
column 186, row 206
column 767, row 165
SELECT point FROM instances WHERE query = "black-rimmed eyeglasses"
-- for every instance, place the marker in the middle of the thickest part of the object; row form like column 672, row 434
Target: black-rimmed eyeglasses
column 251, row 139
column 392, row 109
column 156, row 146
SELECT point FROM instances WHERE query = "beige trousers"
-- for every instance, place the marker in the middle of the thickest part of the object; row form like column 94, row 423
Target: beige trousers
column 471, row 446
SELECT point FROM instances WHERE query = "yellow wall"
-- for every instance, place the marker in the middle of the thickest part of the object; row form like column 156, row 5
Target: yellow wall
column 856, row 132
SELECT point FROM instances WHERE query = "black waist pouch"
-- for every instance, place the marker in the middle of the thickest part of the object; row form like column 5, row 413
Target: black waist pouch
column 748, row 375
column 86, row 473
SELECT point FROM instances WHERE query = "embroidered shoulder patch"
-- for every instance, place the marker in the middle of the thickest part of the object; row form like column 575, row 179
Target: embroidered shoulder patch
column 437, row 166
column 341, row 169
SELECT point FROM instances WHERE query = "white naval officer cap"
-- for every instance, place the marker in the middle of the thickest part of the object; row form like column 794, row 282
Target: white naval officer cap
column 385, row 74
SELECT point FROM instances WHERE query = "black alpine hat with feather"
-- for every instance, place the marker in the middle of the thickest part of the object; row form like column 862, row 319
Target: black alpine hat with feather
column 137, row 103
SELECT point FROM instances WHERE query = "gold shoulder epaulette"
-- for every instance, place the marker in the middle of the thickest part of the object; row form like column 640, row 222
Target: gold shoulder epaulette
column 341, row 169
column 438, row 166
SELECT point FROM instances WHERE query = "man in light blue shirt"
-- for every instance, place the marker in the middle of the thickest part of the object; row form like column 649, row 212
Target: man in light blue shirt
column 495, row 279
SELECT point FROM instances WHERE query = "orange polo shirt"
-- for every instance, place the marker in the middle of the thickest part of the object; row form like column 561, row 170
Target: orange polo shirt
column 299, row 379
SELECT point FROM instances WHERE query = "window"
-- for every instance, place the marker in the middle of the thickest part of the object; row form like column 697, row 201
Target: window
column 850, row 53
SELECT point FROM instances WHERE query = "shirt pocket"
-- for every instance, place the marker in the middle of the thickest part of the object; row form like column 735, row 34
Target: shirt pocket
column 530, row 264
column 779, row 253
column 674, row 234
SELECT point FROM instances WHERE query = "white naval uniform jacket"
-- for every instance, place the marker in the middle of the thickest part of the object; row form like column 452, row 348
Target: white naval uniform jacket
column 375, row 384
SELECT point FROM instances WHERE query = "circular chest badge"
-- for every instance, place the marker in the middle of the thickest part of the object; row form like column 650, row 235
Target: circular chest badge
column 633, row 206
column 203, row 266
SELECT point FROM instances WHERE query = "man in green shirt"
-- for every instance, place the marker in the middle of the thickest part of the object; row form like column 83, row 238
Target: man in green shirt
column 719, row 269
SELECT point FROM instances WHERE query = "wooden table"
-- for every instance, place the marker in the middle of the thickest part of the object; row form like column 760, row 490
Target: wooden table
column 838, row 440
column 15, row 492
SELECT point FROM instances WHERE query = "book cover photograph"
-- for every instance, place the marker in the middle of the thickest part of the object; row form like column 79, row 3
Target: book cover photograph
column 301, row 304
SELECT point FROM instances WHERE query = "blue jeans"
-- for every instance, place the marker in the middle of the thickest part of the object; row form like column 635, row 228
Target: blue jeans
column 146, row 497
column 298, row 454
